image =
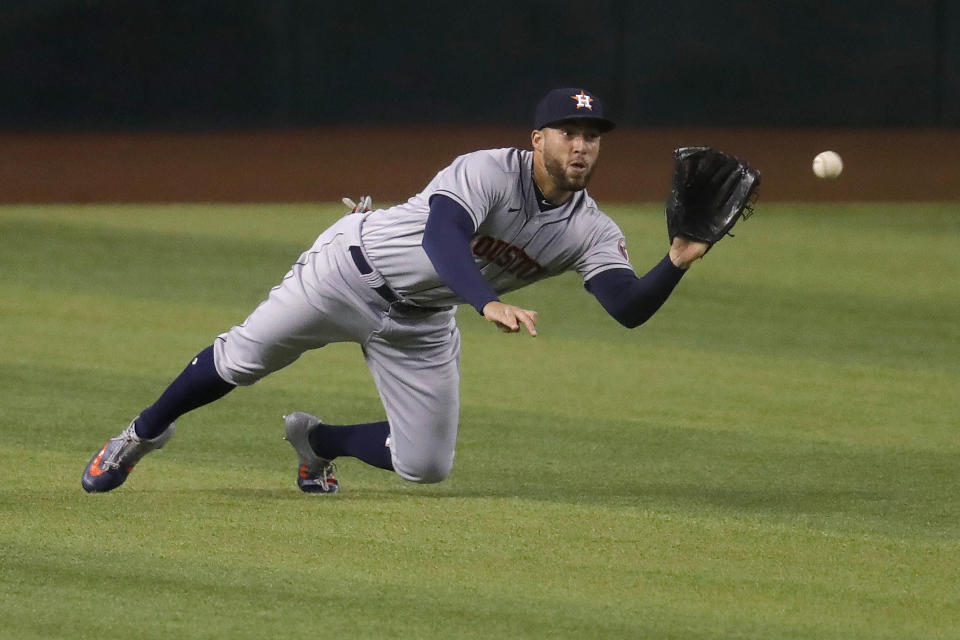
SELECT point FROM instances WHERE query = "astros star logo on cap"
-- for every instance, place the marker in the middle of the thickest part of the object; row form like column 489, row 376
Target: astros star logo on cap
column 583, row 100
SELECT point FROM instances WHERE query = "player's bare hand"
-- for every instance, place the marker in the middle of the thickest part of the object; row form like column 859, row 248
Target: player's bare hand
column 684, row 252
column 508, row 318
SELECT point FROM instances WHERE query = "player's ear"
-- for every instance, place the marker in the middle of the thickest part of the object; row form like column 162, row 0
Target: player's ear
column 536, row 139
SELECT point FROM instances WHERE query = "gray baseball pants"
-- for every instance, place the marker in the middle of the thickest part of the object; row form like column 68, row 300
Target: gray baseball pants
column 414, row 356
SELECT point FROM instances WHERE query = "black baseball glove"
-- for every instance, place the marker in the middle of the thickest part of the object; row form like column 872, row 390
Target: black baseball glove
column 711, row 192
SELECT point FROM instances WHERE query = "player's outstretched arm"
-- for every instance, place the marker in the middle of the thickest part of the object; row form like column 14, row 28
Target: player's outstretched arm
column 630, row 300
column 508, row 318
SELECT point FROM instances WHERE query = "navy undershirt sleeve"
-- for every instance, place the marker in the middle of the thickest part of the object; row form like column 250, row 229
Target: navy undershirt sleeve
column 632, row 300
column 446, row 239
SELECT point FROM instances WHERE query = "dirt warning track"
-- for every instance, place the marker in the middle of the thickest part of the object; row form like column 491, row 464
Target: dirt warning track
column 393, row 163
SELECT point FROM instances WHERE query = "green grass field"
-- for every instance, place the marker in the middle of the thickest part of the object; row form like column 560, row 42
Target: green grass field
column 775, row 455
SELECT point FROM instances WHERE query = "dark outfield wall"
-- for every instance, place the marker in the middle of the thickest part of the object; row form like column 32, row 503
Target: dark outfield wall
column 202, row 64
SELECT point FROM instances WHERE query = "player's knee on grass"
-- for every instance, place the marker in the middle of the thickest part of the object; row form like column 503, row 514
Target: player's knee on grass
column 422, row 451
column 424, row 469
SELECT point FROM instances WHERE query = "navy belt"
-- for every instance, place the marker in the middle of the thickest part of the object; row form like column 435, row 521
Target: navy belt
column 385, row 291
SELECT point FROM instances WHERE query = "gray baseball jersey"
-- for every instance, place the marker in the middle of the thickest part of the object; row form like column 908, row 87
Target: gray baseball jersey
column 414, row 354
column 515, row 243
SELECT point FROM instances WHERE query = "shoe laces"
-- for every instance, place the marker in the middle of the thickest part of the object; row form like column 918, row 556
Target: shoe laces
column 328, row 474
column 124, row 442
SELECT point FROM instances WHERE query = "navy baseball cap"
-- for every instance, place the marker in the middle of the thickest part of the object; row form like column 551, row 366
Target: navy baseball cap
column 570, row 104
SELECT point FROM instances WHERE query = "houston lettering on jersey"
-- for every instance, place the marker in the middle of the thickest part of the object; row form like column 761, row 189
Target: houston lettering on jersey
column 506, row 255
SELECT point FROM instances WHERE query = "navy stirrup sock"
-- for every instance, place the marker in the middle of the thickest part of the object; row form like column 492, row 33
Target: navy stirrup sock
column 366, row 442
column 197, row 385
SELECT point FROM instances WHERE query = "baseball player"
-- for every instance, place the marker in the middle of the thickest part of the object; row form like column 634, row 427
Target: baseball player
column 391, row 279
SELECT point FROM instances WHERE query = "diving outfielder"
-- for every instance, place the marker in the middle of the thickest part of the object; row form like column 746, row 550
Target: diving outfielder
column 391, row 280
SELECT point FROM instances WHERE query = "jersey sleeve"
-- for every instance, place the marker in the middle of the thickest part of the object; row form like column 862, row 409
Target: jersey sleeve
column 605, row 248
column 446, row 239
column 476, row 181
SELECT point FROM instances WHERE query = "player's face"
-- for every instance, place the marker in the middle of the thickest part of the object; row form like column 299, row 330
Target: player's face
column 570, row 151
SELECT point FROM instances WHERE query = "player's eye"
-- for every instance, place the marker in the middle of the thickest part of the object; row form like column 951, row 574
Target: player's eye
column 588, row 136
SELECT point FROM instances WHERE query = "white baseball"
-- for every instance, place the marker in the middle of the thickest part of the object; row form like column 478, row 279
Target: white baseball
column 828, row 164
